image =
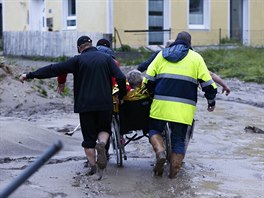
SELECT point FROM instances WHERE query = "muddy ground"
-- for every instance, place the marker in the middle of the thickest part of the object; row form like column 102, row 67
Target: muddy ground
column 223, row 159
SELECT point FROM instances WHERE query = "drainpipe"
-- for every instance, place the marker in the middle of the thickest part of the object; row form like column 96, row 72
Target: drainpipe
column 109, row 21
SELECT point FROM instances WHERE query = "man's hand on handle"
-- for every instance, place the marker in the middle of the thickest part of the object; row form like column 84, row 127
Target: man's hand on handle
column 210, row 108
column 61, row 87
column 226, row 90
column 211, row 105
column 22, row 78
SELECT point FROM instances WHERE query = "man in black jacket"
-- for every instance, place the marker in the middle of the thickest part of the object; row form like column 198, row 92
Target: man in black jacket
column 92, row 71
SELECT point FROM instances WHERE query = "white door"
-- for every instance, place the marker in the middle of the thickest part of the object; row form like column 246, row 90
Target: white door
column 246, row 25
column 236, row 23
column 37, row 20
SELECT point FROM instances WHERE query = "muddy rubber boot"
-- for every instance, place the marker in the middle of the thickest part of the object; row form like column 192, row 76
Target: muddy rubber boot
column 157, row 144
column 175, row 164
column 101, row 155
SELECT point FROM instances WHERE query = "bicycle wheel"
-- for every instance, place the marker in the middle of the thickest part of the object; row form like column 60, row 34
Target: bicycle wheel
column 167, row 141
column 189, row 135
column 116, row 142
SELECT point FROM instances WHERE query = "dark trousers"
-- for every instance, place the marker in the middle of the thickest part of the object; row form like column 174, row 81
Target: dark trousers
column 178, row 133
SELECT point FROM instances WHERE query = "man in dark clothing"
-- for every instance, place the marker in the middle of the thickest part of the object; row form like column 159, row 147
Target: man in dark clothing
column 92, row 71
column 144, row 65
column 103, row 45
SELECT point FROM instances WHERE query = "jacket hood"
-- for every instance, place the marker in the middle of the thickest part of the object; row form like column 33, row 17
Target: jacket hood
column 176, row 51
column 106, row 50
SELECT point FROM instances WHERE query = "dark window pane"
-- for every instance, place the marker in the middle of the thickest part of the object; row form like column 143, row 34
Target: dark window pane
column 71, row 8
column 196, row 12
column 71, row 23
column 156, row 13
column 155, row 28
column 196, row 5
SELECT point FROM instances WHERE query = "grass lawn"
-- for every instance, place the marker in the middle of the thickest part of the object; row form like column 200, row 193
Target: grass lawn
column 244, row 63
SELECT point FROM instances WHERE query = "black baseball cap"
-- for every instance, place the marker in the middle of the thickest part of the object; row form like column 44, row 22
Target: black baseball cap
column 103, row 42
column 83, row 39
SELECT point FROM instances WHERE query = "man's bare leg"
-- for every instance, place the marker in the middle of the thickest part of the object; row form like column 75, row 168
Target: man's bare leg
column 100, row 148
column 103, row 136
column 90, row 154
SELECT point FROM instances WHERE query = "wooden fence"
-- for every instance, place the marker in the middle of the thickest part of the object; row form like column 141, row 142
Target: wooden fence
column 44, row 44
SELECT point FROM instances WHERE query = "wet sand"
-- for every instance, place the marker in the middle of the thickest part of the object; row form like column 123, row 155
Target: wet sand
column 222, row 160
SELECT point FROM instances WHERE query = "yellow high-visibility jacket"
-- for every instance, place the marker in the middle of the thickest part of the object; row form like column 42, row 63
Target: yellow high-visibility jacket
column 175, row 80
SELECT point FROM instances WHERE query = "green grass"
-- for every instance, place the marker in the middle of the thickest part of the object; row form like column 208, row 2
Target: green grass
column 244, row 63
column 132, row 56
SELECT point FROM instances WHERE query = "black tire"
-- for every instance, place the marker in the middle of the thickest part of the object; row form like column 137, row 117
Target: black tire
column 167, row 141
column 189, row 135
column 116, row 142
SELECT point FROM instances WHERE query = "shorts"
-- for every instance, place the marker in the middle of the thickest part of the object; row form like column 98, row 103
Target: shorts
column 92, row 123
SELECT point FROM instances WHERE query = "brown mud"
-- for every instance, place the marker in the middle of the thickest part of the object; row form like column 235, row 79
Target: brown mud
column 223, row 158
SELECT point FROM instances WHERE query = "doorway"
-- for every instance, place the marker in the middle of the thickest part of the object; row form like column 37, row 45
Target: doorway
column 236, row 20
column 37, row 21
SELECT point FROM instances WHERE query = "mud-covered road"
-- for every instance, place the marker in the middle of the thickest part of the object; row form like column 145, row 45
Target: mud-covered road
column 222, row 160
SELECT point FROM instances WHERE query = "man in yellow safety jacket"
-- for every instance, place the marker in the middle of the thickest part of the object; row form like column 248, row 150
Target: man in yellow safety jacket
column 173, row 78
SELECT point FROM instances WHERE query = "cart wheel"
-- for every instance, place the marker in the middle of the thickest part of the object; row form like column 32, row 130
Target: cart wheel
column 167, row 141
column 189, row 135
column 117, row 149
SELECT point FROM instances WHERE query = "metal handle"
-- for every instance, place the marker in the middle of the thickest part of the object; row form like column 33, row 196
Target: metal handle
column 31, row 169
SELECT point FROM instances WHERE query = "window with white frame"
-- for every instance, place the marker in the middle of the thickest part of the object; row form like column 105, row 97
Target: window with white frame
column 70, row 8
column 199, row 14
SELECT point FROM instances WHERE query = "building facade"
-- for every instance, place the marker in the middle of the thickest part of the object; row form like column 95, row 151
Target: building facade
column 142, row 22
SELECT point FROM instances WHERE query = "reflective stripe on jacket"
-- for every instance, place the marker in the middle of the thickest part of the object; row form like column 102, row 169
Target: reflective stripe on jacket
column 175, row 92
